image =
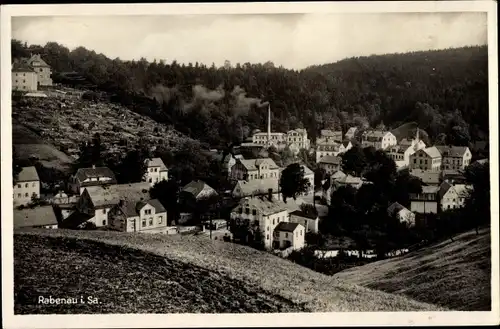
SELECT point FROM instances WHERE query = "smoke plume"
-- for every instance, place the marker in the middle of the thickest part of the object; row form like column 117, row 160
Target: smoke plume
column 244, row 103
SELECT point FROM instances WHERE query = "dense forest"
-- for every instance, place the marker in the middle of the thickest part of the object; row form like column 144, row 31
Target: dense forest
column 445, row 92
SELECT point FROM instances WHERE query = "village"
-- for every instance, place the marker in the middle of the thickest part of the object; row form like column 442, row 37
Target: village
column 93, row 199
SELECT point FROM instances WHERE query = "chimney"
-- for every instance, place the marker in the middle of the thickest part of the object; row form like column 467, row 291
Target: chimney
column 270, row 194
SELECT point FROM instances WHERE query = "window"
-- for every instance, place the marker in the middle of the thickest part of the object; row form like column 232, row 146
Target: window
column 144, row 223
column 240, row 210
column 26, row 185
column 150, row 180
column 18, row 185
column 160, row 219
column 103, row 222
column 267, row 237
column 267, row 228
column 151, row 221
column 26, row 195
column 18, row 195
column 247, row 211
column 34, row 184
column 147, row 211
column 286, row 235
column 301, row 232
column 254, row 212
column 273, row 221
column 104, row 211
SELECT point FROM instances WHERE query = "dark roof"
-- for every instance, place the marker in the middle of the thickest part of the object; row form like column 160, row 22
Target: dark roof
column 85, row 173
column 452, row 151
column 74, row 220
column 443, row 188
column 34, row 217
column 300, row 213
column 132, row 208
column 22, row 67
column 331, row 159
column 157, row 205
column 287, row 227
column 195, row 187
column 395, row 208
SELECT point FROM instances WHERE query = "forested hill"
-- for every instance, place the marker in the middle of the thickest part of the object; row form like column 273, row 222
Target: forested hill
column 445, row 92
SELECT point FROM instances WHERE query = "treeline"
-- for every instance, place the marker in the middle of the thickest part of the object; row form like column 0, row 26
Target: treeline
column 445, row 92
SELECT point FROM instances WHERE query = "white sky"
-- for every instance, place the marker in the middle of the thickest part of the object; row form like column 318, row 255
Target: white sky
column 292, row 40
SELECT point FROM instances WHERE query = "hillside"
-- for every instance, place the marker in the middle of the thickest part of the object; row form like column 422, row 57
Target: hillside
column 455, row 274
column 445, row 92
column 143, row 265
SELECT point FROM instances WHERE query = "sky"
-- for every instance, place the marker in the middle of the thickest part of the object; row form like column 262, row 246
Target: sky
column 294, row 41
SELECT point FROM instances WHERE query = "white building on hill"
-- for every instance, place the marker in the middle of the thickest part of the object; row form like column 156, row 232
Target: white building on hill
column 156, row 171
column 26, row 186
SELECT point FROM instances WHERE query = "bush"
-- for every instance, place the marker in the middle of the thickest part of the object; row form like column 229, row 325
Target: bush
column 88, row 226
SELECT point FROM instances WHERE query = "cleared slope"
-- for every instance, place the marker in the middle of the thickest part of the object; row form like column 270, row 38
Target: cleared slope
column 306, row 289
column 456, row 275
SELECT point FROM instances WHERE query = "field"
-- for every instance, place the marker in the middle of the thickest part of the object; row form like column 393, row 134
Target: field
column 253, row 281
column 455, row 274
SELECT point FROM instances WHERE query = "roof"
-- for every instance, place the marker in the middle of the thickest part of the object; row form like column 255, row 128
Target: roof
column 337, row 175
column 427, row 177
column 132, row 208
column 351, row 130
column 102, row 197
column 112, row 194
column 395, row 208
column 300, row 213
column 22, row 67
column 195, row 187
column 405, row 142
column 307, row 170
column 482, row 161
column 462, row 189
column 287, row 227
column 443, row 188
column 331, row 133
column 37, row 94
column 432, row 151
column 97, row 172
column 263, row 205
column 430, row 189
column 331, row 159
column 156, row 162
column 348, row 179
column 326, row 141
column 252, row 164
column 375, row 133
column 36, row 60
column 28, row 174
column 452, row 151
column 257, row 186
column 33, row 217
column 346, row 143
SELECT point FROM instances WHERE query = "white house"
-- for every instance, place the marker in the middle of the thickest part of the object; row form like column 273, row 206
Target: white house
column 24, row 78
column 137, row 216
column 289, row 235
column 335, row 135
column 330, row 163
column 401, row 213
column 42, row 69
column 427, row 159
column 455, row 157
column 95, row 176
column 156, row 171
column 401, row 152
column 26, row 186
column 249, row 169
column 256, row 187
column 263, row 213
column 199, row 189
column 378, row 139
column 351, row 133
column 309, row 221
column 452, row 196
column 299, row 138
column 327, row 146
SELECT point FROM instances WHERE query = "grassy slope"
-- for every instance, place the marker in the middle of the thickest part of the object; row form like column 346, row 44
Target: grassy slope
column 29, row 143
column 306, row 289
column 455, row 274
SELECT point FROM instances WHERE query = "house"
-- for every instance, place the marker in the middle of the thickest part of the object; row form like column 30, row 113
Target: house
column 401, row 152
column 24, row 78
column 289, row 235
column 330, row 163
column 425, row 202
column 378, row 139
column 38, row 217
column 278, row 140
column 430, row 178
column 156, row 171
column 137, row 216
column 345, row 146
column 229, row 161
column 255, row 169
column 299, row 138
column 428, row 159
column 26, row 186
column 334, row 135
column 453, row 176
column 96, row 202
column 42, row 69
column 261, row 213
column 198, row 189
column 351, row 133
column 309, row 175
column 455, row 157
column 340, row 179
column 334, row 177
column 398, row 211
column 308, row 220
column 256, row 187
column 452, row 196
column 95, row 176
column 327, row 146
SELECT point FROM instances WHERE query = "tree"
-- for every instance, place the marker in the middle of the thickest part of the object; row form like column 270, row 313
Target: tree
column 91, row 154
column 477, row 203
column 167, row 192
column 16, row 164
column 354, row 161
column 319, row 177
column 132, row 167
column 293, row 182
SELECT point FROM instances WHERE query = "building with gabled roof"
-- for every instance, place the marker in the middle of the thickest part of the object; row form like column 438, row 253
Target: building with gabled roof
column 24, row 77
column 42, row 70
column 454, row 157
column 330, row 163
column 138, row 216
column 156, row 171
column 309, row 220
column 26, row 186
column 351, row 133
column 379, row 139
column 95, row 176
column 427, row 159
column 249, row 169
column 198, row 189
column 452, row 196
column 425, row 202
column 401, row 213
column 256, row 187
column 289, row 235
